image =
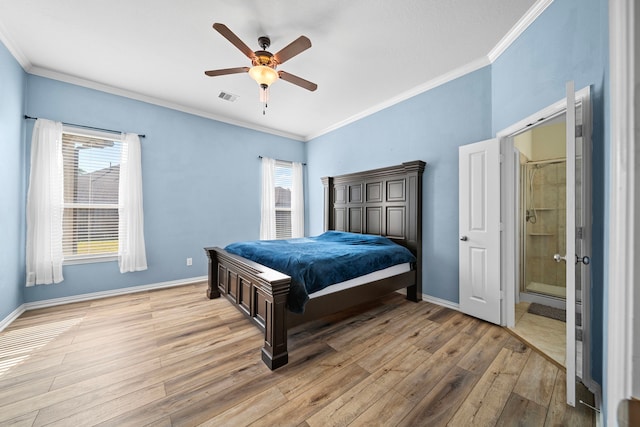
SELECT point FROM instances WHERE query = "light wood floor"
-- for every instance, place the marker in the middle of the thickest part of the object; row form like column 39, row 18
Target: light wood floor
column 173, row 357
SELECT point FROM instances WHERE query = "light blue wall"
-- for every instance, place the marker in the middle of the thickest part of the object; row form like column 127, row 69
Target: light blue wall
column 12, row 81
column 569, row 41
column 428, row 127
column 201, row 182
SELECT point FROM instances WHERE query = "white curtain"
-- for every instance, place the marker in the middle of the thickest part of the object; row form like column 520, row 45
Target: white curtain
column 297, row 201
column 131, row 250
column 268, row 202
column 45, row 205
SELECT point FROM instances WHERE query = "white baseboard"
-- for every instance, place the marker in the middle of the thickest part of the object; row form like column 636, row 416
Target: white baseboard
column 435, row 300
column 441, row 302
column 112, row 293
column 11, row 317
column 95, row 295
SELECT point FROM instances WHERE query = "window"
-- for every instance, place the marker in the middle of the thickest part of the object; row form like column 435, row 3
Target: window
column 91, row 179
column 282, row 204
column 283, row 184
column 84, row 202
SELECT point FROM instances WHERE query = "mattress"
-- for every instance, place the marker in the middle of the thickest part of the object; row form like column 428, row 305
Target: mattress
column 394, row 270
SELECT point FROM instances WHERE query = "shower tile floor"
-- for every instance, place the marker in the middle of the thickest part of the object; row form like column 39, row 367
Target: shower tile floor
column 547, row 335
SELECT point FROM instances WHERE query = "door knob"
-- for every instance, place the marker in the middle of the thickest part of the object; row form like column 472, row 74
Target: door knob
column 558, row 258
column 464, row 238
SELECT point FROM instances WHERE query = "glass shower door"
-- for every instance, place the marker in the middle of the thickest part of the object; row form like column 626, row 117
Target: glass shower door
column 545, row 224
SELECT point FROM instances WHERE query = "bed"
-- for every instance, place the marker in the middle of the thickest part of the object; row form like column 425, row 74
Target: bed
column 382, row 202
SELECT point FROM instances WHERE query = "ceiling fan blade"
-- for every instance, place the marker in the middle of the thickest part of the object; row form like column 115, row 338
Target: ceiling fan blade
column 235, row 40
column 213, row 73
column 298, row 81
column 292, row 49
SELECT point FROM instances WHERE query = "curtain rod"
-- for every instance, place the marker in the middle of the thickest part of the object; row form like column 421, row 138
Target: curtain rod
column 286, row 161
column 84, row 126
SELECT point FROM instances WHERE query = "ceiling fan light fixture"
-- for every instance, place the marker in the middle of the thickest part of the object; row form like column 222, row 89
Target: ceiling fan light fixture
column 263, row 75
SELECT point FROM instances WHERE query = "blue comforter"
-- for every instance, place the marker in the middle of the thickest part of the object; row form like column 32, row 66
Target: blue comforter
column 313, row 263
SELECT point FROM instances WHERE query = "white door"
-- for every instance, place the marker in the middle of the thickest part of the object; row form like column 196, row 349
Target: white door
column 570, row 243
column 578, row 202
column 479, row 229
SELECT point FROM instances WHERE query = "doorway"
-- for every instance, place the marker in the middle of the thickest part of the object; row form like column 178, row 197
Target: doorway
column 542, row 215
column 516, row 282
column 540, row 287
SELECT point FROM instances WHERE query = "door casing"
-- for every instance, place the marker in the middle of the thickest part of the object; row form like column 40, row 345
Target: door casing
column 510, row 196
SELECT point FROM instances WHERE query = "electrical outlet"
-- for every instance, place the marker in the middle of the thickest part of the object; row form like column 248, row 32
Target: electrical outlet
column 189, row 261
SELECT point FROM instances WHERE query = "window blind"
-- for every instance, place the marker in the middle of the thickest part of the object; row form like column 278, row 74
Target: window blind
column 91, row 180
column 283, row 184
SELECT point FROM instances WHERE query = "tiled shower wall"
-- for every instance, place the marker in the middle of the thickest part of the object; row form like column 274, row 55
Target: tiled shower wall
column 546, row 236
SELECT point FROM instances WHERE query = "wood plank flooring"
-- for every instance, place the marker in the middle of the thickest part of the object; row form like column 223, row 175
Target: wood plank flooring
column 172, row 357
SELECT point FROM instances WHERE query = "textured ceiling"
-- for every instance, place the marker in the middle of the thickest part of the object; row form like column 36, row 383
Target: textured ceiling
column 365, row 54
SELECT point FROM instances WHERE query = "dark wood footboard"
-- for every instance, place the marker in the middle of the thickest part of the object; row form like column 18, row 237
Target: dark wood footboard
column 259, row 292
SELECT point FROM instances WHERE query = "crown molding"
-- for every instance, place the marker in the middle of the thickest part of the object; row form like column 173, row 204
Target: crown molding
column 433, row 83
column 522, row 24
column 13, row 49
column 515, row 32
column 519, row 28
column 90, row 84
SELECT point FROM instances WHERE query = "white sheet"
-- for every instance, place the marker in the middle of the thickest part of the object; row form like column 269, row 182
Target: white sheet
column 352, row 283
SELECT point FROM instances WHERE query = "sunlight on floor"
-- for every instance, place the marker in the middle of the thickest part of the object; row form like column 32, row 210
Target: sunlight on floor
column 17, row 345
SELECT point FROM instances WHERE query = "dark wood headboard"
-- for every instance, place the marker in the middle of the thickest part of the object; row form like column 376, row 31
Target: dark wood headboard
column 385, row 202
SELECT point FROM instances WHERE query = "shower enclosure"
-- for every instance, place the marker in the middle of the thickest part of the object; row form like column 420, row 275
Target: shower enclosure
column 543, row 189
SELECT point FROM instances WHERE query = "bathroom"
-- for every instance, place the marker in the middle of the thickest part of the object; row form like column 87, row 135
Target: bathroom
column 540, row 297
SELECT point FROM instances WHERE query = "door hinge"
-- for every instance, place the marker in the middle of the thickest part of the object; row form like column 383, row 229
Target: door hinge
column 578, row 232
column 501, row 226
column 501, row 294
column 501, row 158
column 578, row 131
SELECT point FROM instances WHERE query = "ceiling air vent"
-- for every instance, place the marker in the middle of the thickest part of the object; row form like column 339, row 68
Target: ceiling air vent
column 228, row 96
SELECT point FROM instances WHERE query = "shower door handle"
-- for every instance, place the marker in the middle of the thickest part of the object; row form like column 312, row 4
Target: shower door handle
column 585, row 259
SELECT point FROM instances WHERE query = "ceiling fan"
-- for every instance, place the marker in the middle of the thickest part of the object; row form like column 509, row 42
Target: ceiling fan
column 264, row 63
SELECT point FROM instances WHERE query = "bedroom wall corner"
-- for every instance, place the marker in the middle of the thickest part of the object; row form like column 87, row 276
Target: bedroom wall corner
column 429, row 127
column 12, row 190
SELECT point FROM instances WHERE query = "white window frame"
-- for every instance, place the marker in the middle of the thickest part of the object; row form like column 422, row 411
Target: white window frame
column 289, row 166
column 94, row 257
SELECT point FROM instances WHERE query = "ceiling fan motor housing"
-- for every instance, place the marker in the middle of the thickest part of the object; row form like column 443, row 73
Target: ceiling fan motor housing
column 264, row 42
column 262, row 57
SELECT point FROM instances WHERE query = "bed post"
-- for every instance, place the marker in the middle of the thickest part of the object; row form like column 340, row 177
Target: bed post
column 327, row 183
column 274, row 352
column 414, row 172
column 212, row 283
